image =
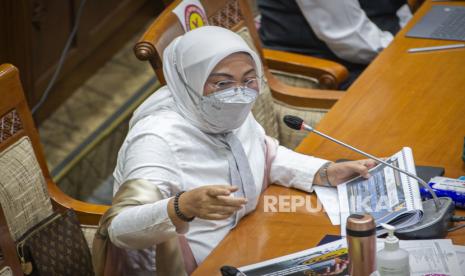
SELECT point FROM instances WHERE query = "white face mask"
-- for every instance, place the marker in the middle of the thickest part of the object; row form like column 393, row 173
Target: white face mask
column 228, row 108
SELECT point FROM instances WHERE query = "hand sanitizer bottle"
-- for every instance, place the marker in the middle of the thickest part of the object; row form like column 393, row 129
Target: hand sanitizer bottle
column 392, row 260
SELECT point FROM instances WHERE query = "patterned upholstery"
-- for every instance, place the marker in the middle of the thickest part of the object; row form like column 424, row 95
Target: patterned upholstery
column 6, row 271
column 10, row 123
column 23, row 195
column 228, row 17
column 264, row 113
column 295, row 80
column 312, row 116
column 289, row 137
column 268, row 112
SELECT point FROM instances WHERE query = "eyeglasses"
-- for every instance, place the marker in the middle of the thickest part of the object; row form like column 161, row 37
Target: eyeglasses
column 227, row 84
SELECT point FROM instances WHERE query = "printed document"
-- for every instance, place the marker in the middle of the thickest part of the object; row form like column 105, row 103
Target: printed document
column 388, row 195
column 430, row 257
column 460, row 250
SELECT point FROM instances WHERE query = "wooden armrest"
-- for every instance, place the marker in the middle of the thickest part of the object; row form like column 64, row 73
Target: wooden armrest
column 303, row 97
column 329, row 74
column 87, row 213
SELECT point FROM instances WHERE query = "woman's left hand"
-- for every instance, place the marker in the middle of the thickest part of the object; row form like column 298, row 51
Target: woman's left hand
column 341, row 172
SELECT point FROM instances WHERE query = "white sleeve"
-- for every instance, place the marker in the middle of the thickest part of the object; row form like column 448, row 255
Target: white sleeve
column 141, row 226
column 404, row 14
column 292, row 169
column 147, row 157
column 345, row 28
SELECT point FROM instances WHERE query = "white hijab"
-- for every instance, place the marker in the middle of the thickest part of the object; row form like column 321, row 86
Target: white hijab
column 193, row 55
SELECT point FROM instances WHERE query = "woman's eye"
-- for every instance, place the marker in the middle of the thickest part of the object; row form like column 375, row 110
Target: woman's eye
column 221, row 84
column 250, row 81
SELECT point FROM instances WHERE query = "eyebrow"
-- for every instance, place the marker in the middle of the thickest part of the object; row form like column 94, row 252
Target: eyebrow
column 250, row 71
column 228, row 75
column 221, row 75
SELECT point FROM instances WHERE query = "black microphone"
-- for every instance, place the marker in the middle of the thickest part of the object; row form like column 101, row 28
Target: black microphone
column 435, row 218
column 293, row 122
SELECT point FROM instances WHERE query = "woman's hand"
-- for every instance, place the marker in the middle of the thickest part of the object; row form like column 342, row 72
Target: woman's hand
column 211, row 202
column 341, row 172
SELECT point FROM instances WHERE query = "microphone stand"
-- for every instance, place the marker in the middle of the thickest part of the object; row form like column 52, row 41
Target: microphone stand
column 436, row 217
column 437, row 203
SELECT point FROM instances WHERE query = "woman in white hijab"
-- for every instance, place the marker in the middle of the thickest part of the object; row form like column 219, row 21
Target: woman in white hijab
column 196, row 141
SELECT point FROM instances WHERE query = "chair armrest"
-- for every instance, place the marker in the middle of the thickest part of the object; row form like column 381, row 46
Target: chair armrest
column 303, row 97
column 87, row 213
column 329, row 74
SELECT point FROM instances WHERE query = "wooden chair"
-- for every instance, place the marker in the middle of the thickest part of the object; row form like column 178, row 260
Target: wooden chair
column 300, row 99
column 27, row 193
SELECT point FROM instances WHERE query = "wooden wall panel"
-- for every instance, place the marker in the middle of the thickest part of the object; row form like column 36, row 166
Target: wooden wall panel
column 34, row 33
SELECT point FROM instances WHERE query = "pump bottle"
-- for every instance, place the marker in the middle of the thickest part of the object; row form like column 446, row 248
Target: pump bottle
column 392, row 260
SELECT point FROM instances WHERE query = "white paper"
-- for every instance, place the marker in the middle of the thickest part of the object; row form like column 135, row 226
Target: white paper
column 191, row 14
column 430, row 257
column 329, row 198
column 460, row 250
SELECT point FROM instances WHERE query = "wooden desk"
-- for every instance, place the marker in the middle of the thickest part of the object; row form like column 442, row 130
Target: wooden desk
column 402, row 99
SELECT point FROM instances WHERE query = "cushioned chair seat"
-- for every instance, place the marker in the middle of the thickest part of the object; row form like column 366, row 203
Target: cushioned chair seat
column 287, row 136
column 295, row 80
column 23, row 195
column 6, row 271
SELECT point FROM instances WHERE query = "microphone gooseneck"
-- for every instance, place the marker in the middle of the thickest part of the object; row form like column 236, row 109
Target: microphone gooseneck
column 293, row 121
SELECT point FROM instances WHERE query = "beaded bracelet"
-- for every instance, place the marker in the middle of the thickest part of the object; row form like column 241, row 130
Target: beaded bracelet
column 324, row 174
column 178, row 211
